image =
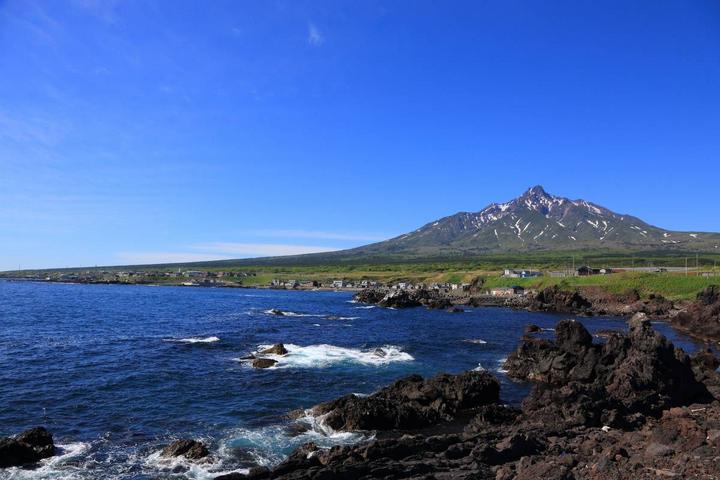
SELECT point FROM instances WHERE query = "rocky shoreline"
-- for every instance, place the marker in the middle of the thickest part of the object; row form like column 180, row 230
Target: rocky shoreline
column 633, row 406
column 700, row 318
column 625, row 405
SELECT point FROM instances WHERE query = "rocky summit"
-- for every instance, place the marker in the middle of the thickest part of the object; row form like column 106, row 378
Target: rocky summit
column 632, row 407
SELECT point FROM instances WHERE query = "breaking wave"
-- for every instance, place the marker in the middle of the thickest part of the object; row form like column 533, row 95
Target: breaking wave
column 324, row 355
column 194, row 340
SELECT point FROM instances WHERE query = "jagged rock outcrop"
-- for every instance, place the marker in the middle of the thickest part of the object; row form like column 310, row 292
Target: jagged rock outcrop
column 411, row 403
column 454, row 427
column 370, row 295
column 557, row 300
column 617, row 383
column 702, row 318
column 28, row 447
column 190, row 449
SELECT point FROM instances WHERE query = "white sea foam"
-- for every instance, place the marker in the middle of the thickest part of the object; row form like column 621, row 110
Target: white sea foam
column 193, row 340
column 476, row 341
column 55, row 467
column 324, row 355
column 479, row 368
column 501, row 362
column 366, row 307
column 286, row 313
column 205, row 469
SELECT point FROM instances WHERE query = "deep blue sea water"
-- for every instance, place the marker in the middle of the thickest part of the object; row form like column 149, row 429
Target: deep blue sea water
column 117, row 372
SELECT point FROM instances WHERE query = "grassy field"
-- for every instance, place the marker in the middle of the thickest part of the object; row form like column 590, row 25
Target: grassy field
column 669, row 284
column 675, row 286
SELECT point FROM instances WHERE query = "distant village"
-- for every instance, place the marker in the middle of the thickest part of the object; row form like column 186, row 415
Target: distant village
column 238, row 279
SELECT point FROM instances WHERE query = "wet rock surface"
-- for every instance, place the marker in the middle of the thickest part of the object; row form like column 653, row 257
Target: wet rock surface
column 190, row 449
column 633, row 407
column 28, row 447
column 263, row 363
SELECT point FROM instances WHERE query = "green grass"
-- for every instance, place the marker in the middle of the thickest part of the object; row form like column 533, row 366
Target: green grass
column 670, row 285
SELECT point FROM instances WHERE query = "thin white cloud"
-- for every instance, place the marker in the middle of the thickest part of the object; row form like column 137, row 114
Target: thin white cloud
column 140, row 258
column 315, row 37
column 261, row 249
column 351, row 236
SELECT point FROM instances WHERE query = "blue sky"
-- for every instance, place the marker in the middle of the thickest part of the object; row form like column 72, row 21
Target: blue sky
column 135, row 132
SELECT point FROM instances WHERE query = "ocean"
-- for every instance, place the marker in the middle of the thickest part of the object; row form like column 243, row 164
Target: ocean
column 117, row 372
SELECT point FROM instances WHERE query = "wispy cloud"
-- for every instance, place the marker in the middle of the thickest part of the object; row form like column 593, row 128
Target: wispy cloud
column 260, row 249
column 140, row 258
column 320, row 235
column 315, row 37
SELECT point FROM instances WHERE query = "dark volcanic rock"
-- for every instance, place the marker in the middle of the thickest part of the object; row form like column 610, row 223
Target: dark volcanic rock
column 556, row 300
column 702, row 318
column 411, row 403
column 440, row 303
column 370, row 295
column 263, row 362
column 631, row 375
column 400, row 299
column 276, row 311
column 190, row 449
column 532, row 329
column 28, row 447
column 277, row 349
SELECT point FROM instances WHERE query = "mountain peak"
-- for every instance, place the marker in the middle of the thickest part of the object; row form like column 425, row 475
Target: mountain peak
column 536, row 191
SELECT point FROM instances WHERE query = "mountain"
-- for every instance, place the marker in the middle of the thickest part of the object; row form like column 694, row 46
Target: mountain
column 537, row 221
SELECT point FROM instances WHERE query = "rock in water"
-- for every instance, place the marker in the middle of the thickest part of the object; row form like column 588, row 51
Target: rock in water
column 411, row 403
column 399, row 299
column 370, row 295
column 277, row 349
column 532, row 329
column 616, row 383
column 276, row 311
column 190, row 449
column 28, row 447
column 263, row 363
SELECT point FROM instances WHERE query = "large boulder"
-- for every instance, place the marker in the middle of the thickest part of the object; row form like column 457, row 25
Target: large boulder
column 28, row 447
column 277, row 349
column 618, row 382
column 400, row 299
column 555, row 299
column 370, row 295
column 702, row 317
column 263, row 363
column 190, row 449
column 411, row 403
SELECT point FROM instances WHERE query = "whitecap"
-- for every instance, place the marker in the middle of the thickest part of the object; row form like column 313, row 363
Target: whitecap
column 476, row 341
column 193, row 340
column 324, row 355
column 500, row 368
column 276, row 312
column 366, row 307
column 55, row 467
column 204, row 469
